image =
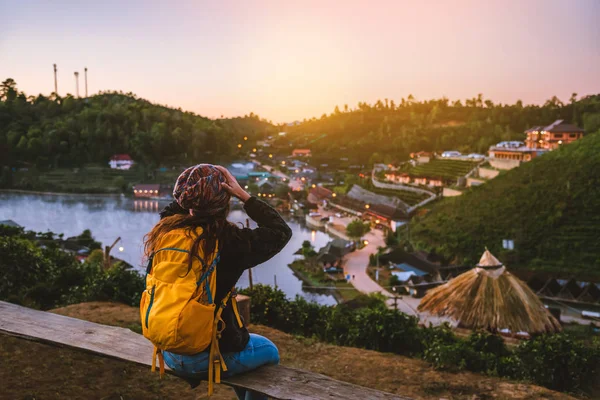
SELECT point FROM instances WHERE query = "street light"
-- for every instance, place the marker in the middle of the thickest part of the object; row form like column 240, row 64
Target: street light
column 254, row 150
column 377, row 221
column 245, row 137
column 367, row 206
column 239, row 145
column 333, row 194
column 270, row 155
column 366, row 242
column 121, row 249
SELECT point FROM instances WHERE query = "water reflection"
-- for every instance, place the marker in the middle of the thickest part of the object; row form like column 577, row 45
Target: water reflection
column 111, row 217
column 147, row 206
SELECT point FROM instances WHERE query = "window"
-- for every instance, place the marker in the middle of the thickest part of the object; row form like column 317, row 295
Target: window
column 573, row 135
column 558, row 136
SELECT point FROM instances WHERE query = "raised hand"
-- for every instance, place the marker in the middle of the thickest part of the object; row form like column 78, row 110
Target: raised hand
column 232, row 186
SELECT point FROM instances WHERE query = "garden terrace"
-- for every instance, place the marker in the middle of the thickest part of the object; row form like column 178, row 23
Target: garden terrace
column 439, row 168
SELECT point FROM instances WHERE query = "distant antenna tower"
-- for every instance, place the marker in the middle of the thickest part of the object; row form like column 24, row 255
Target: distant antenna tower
column 55, row 80
column 85, row 73
column 77, row 83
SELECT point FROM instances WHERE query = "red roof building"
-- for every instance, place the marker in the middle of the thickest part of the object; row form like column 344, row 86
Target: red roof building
column 301, row 153
column 120, row 161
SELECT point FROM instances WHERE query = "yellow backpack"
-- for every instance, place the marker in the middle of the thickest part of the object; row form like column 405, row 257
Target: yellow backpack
column 177, row 309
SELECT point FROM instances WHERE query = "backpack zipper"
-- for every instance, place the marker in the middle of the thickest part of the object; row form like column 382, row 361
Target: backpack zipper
column 150, row 305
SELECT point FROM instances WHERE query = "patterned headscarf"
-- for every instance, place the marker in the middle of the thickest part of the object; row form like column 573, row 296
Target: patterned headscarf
column 199, row 189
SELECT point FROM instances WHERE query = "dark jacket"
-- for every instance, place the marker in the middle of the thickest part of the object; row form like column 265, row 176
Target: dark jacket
column 239, row 251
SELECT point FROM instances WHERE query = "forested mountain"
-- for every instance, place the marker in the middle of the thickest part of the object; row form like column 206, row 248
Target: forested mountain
column 67, row 131
column 388, row 132
column 549, row 207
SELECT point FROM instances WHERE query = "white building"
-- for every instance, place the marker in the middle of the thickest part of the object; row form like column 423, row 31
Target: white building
column 120, row 161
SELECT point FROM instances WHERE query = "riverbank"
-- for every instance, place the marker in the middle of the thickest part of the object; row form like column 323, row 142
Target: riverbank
column 341, row 290
column 22, row 191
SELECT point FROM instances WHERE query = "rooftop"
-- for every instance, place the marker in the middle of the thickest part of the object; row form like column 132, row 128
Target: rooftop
column 121, row 157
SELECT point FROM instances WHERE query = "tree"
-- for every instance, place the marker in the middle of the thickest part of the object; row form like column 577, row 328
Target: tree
column 8, row 90
column 357, row 229
column 307, row 249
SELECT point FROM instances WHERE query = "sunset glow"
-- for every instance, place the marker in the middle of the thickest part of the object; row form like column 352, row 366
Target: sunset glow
column 292, row 60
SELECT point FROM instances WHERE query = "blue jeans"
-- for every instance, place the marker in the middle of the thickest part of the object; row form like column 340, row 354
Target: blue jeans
column 259, row 351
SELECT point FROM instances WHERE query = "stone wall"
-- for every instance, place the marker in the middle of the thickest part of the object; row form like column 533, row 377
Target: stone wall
column 504, row 163
column 488, row 173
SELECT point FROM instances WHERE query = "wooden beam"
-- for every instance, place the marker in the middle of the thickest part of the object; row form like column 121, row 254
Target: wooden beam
column 278, row 382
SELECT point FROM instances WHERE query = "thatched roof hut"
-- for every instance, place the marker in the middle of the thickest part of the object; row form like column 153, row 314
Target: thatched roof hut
column 491, row 299
column 488, row 260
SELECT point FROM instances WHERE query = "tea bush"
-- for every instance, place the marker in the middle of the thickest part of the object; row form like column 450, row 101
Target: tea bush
column 555, row 361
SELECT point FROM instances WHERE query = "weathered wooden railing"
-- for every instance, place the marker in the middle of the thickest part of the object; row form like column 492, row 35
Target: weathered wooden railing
column 277, row 382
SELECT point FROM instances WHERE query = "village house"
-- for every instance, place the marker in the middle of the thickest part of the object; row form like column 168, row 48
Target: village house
column 301, row 153
column 120, row 161
column 422, row 157
column 318, row 195
column 552, row 136
column 539, row 140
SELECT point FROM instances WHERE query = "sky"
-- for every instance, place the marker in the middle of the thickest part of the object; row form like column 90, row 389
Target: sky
column 289, row 60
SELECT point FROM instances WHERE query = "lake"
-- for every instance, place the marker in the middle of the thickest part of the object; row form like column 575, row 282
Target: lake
column 111, row 217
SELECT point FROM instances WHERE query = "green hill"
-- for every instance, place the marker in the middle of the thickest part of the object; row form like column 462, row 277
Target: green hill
column 550, row 207
column 66, row 132
column 389, row 131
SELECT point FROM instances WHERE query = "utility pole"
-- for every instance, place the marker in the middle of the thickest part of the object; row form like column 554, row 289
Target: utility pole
column 85, row 76
column 107, row 250
column 55, row 80
column 250, row 269
column 76, row 84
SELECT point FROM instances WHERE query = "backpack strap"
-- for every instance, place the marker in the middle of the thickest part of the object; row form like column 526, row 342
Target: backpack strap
column 234, row 305
column 215, row 359
column 161, row 361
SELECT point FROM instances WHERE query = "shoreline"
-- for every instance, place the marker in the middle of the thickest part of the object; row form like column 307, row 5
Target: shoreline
column 22, row 191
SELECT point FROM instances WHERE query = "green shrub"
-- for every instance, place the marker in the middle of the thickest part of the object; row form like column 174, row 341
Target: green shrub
column 554, row 361
column 50, row 277
column 559, row 362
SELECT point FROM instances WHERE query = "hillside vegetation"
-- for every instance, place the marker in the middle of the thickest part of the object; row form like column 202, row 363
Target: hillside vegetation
column 549, row 207
column 388, row 131
column 56, row 131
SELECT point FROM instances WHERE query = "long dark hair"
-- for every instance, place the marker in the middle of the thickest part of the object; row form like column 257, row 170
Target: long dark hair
column 213, row 229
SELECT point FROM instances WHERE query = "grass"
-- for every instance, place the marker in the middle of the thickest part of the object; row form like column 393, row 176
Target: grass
column 38, row 371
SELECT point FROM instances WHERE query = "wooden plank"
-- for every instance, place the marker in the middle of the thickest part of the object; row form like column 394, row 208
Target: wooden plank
column 278, row 382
